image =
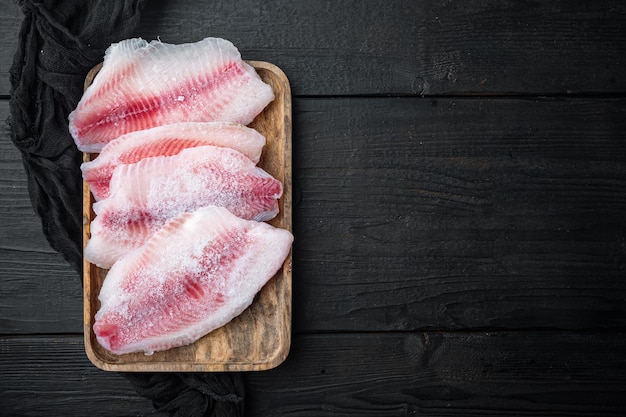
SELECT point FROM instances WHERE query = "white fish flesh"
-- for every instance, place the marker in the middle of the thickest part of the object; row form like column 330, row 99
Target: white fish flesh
column 196, row 274
column 146, row 194
column 167, row 140
column 145, row 84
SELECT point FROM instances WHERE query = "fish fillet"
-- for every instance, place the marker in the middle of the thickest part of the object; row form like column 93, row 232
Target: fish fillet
column 167, row 140
column 146, row 194
column 196, row 274
column 142, row 85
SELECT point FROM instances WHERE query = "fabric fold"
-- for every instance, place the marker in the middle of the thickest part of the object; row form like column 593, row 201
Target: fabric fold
column 192, row 394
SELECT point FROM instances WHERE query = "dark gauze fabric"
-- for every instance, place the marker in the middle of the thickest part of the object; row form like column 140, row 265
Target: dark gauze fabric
column 59, row 42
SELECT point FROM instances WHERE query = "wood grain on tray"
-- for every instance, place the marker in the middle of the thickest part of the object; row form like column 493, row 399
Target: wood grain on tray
column 260, row 337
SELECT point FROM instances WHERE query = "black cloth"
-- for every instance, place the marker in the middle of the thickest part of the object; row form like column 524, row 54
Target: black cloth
column 59, row 42
column 192, row 394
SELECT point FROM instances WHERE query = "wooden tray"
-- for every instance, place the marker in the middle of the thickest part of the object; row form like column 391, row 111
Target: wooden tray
column 260, row 337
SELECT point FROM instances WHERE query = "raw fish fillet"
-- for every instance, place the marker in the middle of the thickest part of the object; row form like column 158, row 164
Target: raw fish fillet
column 145, row 195
column 167, row 140
column 142, row 85
column 196, row 274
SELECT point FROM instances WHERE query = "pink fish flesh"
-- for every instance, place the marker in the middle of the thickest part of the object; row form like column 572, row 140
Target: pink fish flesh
column 146, row 194
column 142, row 85
column 167, row 140
column 196, row 274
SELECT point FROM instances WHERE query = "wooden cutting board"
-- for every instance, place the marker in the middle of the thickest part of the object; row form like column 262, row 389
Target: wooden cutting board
column 260, row 337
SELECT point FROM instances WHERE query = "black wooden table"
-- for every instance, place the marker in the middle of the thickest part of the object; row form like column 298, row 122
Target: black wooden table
column 460, row 218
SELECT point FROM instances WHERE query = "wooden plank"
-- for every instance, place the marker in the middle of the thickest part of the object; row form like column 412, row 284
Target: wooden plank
column 415, row 214
column 324, row 47
column 46, row 376
column 456, row 214
column 40, row 293
column 488, row 47
column 11, row 17
column 446, row 374
column 405, row 47
column 415, row 47
column 31, row 273
column 394, row 374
